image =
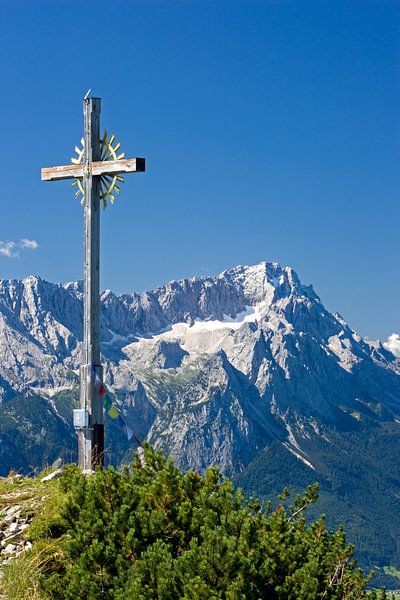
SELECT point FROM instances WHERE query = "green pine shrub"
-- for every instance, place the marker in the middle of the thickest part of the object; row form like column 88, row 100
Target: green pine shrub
column 151, row 532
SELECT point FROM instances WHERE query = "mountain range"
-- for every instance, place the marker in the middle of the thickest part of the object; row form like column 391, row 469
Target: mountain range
column 246, row 370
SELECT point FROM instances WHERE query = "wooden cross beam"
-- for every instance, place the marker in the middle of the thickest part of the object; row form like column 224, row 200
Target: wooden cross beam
column 105, row 167
column 96, row 178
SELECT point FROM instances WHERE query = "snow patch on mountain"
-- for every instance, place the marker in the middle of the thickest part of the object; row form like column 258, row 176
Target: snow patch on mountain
column 50, row 392
column 299, row 456
column 116, row 338
column 205, row 336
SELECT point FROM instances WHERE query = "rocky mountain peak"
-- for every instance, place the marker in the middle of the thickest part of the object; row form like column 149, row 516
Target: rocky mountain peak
column 265, row 322
column 232, row 370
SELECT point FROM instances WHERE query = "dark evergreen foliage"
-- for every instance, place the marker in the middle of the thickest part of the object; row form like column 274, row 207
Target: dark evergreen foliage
column 152, row 532
column 359, row 478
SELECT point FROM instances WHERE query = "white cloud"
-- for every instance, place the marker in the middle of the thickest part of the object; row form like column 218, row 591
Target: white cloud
column 12, row 249
column 8, row 249
column 393, row 344
column 31, row 244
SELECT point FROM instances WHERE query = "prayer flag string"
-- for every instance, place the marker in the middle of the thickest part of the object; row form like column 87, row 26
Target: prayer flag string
column 112, row 409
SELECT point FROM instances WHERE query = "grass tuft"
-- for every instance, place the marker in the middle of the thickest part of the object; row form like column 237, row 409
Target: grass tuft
column 41, row 503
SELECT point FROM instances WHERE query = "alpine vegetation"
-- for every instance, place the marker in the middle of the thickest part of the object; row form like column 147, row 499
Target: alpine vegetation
column 151, row 532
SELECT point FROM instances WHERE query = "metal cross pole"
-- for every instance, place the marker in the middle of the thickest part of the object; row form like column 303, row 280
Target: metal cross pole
column 96, row 177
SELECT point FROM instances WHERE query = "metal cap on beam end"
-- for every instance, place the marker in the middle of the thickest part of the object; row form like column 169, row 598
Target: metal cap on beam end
column 140, row 165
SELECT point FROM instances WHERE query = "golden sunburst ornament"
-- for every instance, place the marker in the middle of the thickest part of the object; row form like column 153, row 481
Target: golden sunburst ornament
column 108, row 183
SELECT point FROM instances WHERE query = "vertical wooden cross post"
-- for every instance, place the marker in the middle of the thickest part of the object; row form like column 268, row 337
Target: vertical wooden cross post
column 96, row 177
column 91, row 438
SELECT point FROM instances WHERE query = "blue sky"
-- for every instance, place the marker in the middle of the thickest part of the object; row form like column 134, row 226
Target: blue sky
column 270, row 129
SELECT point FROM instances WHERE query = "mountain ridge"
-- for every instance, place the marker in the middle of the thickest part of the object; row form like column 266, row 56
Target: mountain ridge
column 237, row 370
column 269, row 325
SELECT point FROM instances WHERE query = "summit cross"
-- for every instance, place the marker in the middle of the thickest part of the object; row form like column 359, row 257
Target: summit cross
column 96, row 172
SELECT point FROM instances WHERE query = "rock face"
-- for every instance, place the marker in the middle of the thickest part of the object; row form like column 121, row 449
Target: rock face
column 20, row 500
column 13, row 524
column 246, row 370
column 211, row 369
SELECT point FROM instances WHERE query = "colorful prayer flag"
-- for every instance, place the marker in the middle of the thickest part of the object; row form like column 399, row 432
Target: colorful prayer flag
column 113, row 412
column 129, row 432
column 121, row 420
column 107, row 401
column 101, row 390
